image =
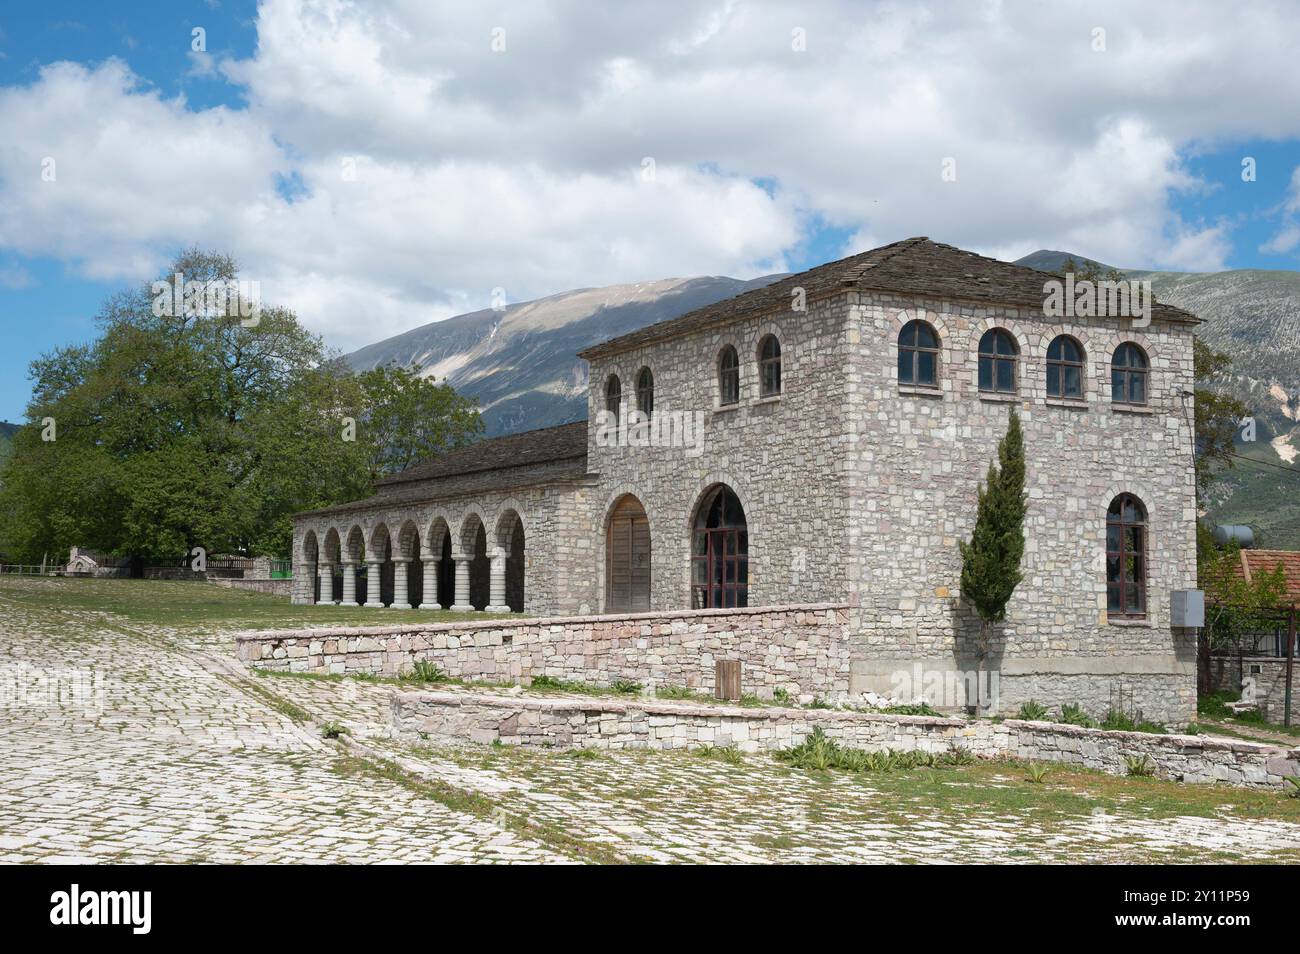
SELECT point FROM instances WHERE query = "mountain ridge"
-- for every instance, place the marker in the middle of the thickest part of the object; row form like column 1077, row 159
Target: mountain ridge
column 520, row 361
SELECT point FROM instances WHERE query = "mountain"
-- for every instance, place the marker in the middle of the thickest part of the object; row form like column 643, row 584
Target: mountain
column 1251, row 315
column 521, row 362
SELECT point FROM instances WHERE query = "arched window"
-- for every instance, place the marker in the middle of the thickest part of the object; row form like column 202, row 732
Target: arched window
column 613, row 396
column 645, row 393
column 998, row 359
column 1128, row 375
column 769, row 366
column 719, row 552
column 1064, row 368
column 1126, row 561
column 918, row 355
column 728, row 376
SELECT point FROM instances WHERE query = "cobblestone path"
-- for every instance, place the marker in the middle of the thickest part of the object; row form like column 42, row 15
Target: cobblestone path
column 130, row 742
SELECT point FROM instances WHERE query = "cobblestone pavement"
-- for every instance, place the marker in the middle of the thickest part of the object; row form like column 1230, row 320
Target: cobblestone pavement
column 139, row 743
column 115, row 746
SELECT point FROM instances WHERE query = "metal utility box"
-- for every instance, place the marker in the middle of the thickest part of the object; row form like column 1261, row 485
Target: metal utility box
column 1187, row 608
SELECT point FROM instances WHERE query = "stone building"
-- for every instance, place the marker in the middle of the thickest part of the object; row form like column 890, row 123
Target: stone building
column 821, row 440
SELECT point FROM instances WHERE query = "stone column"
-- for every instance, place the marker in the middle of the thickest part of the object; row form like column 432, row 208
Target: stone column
column 462, row 604
column 326, row 573
column 349, row 583
column 373, row 568
column 401, row 595
column 300, row 586
column 431, row 593
column 497, row 589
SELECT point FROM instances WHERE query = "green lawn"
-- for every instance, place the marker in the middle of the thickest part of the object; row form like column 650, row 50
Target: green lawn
column 180, row 603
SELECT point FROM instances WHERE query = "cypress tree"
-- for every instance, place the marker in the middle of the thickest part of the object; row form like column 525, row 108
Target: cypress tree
column 990, row 568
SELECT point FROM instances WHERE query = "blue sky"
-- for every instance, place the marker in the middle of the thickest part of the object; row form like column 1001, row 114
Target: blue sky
column 520, row 170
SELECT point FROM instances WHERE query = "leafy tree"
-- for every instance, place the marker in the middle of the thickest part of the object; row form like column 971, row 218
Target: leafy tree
column 412, row 418
column 990, row 569
column 203, row 425
column 1218, row 416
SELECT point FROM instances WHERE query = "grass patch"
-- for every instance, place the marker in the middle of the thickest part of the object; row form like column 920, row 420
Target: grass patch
column 197, row 604
column 818, row 753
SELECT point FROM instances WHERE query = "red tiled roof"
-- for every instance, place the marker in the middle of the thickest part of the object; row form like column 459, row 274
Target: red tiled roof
column 1254, row 562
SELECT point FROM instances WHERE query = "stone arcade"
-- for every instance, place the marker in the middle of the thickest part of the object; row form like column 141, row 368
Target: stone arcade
column 849, row 415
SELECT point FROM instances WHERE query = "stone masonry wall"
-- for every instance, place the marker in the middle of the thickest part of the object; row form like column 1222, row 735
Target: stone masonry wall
column 802, row 649
column 917, row 457
column 611, row 724
column 783, row 456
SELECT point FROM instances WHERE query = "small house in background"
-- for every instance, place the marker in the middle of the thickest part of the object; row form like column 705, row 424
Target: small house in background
column 1257, row 668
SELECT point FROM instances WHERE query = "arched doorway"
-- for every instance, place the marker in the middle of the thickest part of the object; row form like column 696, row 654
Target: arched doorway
column 719, row 551
column 509, row 536
column 627, row 558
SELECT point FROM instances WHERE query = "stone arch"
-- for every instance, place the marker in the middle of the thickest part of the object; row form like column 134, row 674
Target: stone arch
column 408, row 567
column 354, row 547
column 440, row 574
column 378, row 577
column 509, row 579
column 719, row 551
column 473, row 583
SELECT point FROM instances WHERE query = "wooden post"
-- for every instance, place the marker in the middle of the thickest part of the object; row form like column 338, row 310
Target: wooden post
column 1290, row 659
column 726, row 679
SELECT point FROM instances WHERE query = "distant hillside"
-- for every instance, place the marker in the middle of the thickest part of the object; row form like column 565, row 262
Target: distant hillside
column 521, row 362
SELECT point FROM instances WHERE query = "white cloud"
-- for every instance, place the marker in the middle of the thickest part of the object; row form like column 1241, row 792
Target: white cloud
column 521, row 169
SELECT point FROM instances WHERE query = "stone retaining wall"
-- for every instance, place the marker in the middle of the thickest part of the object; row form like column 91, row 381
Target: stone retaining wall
column 278, row 587
column 804, row 650
column 615, row 724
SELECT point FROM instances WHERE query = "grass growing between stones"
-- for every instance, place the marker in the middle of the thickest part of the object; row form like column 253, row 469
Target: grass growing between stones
column 185, row 603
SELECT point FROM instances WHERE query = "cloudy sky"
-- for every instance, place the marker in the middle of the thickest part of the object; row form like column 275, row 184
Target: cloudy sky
column 380, row 164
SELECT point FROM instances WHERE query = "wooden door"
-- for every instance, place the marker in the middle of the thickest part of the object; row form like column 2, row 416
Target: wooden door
column 627, row 566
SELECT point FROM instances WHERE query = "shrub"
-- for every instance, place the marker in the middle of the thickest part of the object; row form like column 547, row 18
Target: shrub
column 424, row 671
column 1294, row 790
column 1215, row 705
column 1072, row 714
column 1123, row 722
column 1032, row 711
column 332, row 730
column 960, row 755
column 625, row 687
column 918, row 708
column 726, row 753
column 818, row 753
column 1139, row 766
column 781, row 695
column 675, row 692
column 1038, row 771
